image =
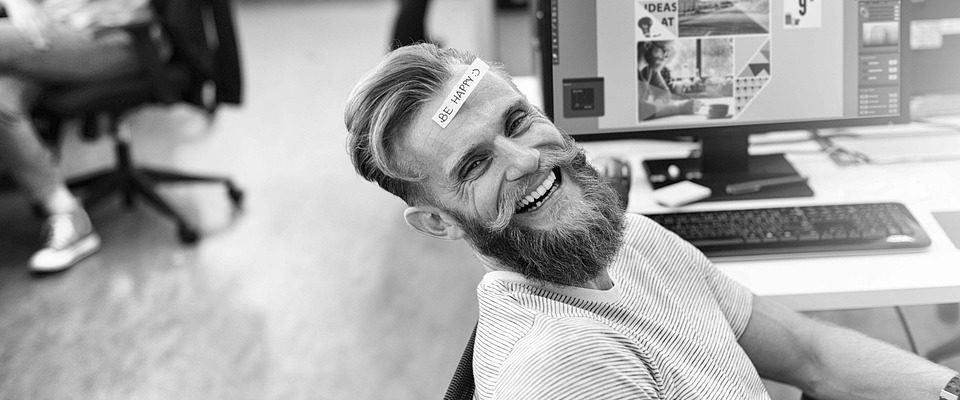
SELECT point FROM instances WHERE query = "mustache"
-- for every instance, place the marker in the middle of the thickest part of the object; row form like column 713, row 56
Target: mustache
column 550, row 157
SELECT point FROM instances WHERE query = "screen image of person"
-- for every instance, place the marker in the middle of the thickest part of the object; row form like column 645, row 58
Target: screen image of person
column 580, row 299
column 662, row 94
column 655, row 91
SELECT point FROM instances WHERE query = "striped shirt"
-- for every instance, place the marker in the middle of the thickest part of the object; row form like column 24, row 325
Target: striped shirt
column 668, row 329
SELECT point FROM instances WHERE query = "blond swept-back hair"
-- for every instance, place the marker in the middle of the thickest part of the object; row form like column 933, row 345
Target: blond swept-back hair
column 383, row 104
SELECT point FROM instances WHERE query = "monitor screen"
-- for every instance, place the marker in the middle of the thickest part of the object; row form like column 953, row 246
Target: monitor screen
column 625, row 67
column 718, row 71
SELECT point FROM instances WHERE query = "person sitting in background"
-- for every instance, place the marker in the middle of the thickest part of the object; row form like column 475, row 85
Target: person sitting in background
column 47, row 43
column 583, row 301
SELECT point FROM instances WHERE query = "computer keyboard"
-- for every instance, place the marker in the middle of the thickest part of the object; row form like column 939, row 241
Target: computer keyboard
column 799, row 231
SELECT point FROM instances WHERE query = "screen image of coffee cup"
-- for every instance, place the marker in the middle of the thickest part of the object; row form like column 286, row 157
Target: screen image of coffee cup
column 718, row 110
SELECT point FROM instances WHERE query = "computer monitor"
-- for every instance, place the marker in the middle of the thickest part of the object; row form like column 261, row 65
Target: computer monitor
column 719, row 71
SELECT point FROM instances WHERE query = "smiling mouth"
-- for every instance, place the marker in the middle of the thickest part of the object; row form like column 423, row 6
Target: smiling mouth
column 533, row 200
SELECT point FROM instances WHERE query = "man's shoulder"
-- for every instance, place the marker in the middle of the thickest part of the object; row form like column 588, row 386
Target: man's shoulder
column 558, row 352
column 543, row 338
column 511, row 311
column 556, row 334
column 580, row 340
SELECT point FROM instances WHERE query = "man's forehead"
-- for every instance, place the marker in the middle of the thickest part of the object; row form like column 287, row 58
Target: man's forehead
column 424, row 137
column 492, row 94
column 491, row 88
column 462, row 88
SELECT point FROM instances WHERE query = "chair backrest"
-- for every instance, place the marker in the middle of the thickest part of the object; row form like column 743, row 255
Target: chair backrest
column 204, row 38
column 462, row 385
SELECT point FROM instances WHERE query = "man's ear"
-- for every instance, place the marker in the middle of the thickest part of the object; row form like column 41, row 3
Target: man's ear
column 433, row 222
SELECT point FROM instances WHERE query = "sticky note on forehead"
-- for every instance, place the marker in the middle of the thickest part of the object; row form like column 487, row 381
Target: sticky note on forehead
column 460, row 92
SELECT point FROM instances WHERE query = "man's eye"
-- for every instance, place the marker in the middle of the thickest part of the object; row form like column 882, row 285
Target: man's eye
column 474, row 165
column 516, row 122
column 474, row 168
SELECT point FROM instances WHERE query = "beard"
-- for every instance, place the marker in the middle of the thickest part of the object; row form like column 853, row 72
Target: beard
column 586, row 235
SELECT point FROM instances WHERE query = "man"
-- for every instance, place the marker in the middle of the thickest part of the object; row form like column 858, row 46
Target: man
column 582, row 301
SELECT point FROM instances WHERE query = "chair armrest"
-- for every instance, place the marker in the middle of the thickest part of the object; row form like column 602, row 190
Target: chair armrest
column 148, row 52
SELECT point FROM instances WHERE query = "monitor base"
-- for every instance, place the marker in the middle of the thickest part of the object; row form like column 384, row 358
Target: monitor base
column 664, row 172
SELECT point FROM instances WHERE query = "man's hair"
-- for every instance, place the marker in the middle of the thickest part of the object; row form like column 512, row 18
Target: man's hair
column 384, row 103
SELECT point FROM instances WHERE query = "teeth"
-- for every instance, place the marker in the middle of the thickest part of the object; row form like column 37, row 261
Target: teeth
column 534, row 196
column 550, row 180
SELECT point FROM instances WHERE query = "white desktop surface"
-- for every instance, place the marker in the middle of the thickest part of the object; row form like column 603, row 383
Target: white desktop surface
column 836, row 282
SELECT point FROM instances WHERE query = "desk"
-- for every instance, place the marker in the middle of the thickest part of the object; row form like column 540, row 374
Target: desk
column 834, row 283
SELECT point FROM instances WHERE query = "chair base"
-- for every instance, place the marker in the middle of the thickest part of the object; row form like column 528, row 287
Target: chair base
column 132, row 182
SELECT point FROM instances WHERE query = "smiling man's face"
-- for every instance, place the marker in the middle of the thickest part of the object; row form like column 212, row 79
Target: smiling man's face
column 520, row 190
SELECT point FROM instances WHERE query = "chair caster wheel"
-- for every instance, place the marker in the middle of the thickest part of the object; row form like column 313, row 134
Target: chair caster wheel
column 187, row 234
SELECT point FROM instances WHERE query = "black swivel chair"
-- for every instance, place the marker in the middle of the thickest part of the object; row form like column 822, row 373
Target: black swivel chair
column 203, row 70
column 462, row 385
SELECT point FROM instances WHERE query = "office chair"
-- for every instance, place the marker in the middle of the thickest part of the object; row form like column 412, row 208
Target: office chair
column 203, row 70
column 462, row 385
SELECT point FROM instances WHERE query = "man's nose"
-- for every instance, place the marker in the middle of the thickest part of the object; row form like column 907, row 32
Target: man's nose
column 523, row 160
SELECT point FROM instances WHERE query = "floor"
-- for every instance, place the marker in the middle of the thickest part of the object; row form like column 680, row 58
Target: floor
column 316, row 289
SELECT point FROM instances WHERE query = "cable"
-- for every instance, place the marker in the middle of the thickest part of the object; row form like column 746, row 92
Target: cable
column 906, row 329
column 840, row 155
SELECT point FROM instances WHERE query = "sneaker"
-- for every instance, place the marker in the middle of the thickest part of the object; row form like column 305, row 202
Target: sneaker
column 70, row 238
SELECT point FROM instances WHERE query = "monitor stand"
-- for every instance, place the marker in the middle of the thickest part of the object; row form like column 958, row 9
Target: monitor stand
column 724, row 160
